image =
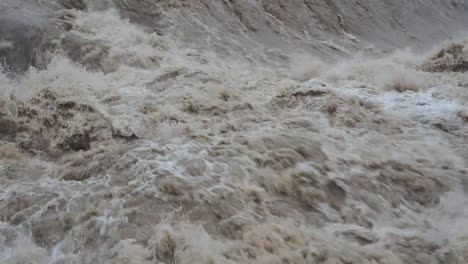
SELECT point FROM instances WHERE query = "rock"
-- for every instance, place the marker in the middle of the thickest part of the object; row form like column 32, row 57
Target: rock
column 23, row 40
column 28, row 38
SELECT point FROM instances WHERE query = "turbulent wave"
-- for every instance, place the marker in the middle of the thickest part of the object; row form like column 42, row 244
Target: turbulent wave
column 207, row 131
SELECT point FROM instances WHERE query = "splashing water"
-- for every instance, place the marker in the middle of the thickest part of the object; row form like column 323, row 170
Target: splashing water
column 216, row 132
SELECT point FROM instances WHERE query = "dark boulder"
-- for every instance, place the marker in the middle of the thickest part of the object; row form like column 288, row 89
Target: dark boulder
column 23, row 40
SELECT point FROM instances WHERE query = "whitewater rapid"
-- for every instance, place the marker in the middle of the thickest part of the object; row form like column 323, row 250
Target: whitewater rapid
column 233, row 132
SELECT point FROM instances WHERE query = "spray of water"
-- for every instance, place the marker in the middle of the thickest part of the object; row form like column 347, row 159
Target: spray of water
column 135, row 141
